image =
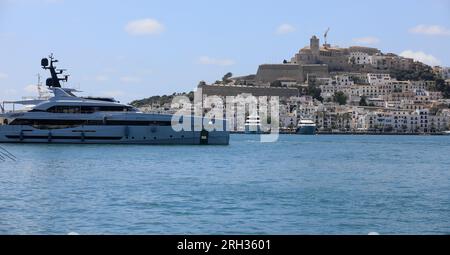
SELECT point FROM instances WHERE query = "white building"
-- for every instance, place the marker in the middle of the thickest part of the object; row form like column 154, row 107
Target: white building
column 378, row 79
column 419, row 120
column 343, row 80
column 360, row 58
column 288, row 120
column 337, row 83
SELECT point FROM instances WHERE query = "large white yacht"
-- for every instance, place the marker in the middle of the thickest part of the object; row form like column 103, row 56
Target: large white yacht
column 67, row 118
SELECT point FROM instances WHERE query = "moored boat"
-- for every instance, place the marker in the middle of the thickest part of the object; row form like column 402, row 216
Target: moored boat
column 306, row 127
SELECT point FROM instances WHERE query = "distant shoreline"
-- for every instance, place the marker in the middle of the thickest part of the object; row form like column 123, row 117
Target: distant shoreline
column 377, row 133
column 352, row 133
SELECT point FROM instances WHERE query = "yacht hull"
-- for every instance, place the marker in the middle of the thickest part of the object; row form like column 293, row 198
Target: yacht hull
column 306, row 130
column 112, row 135
column 252, row 129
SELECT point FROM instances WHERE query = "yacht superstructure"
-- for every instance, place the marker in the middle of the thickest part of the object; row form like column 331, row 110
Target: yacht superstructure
column 67, row 118
column 252, row 125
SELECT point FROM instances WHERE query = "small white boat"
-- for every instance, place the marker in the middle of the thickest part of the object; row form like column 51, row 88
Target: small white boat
column 253, row 125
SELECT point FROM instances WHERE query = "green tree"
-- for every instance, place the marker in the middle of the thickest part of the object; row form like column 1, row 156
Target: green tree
column 314, row 91
column 352, row 60
column 413, row 75
column 226, row 78
column 276, row 83
column 363, row 101
column 340, row 98
column 443, row 87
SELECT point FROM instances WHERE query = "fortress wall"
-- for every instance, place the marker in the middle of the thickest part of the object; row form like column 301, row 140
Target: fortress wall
column 368, row 50
column 270, row 73
column 316, row 70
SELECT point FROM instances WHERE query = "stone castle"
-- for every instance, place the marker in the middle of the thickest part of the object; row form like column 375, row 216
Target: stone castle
column 318, row 61
column 313, row 62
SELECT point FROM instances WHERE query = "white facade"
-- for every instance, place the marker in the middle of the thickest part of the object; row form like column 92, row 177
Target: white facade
column 289, row 120
column 343, row 80
column 378, row 79
column 406, row 121
column 360, row 58
column 337, row 83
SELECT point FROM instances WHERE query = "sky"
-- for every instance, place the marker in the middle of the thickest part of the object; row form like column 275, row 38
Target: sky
column 136, row 49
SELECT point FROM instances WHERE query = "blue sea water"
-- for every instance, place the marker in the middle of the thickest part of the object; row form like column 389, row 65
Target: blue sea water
column 298, row 185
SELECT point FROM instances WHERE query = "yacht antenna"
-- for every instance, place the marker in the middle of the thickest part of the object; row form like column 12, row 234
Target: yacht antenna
column 39, row 86
column 54, row 81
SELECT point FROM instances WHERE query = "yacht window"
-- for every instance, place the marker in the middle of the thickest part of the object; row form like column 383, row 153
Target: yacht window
column 48, row 124
column 89, row 109
column 60, row 123
column 65, row 109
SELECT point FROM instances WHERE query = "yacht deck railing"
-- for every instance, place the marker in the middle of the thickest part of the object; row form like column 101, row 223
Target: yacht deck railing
column 4, row 109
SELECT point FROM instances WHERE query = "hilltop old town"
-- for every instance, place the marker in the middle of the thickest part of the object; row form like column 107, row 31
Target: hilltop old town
column 343, row 90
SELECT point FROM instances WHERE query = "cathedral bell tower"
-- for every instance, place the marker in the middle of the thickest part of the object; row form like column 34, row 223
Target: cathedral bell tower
column 315, row 46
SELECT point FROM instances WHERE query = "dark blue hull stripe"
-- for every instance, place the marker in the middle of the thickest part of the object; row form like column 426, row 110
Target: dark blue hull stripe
column 64, row 137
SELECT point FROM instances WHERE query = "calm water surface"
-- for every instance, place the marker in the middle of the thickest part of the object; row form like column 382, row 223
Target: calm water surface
column 299, row 185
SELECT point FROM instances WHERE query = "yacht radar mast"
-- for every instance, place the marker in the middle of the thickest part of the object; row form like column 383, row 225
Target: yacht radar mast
column 54, row 80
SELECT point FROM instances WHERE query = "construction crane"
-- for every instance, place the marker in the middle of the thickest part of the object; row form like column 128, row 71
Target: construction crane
column 325, row 35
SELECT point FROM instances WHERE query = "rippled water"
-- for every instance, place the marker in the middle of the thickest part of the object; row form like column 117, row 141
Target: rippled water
column 299, row 185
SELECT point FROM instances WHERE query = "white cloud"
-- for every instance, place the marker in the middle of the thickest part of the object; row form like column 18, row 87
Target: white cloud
column 144, row 27
column 421, row 56
column 285, row 29
column 130, row 79
column 205, row 60
column 32, row 89
column 430, row 30
column 367, row 40
column 3, row 76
